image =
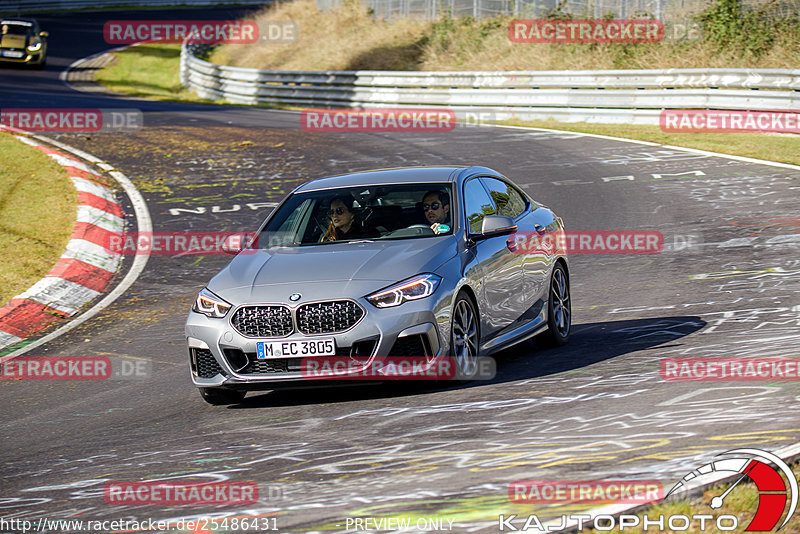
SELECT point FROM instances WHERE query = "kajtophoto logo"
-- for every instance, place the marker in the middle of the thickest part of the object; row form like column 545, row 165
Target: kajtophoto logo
column 772, row 488
column 774, row 481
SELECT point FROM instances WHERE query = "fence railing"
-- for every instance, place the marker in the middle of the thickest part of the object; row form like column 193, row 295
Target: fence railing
column 666, row 10
column 431, row 9
column 30, row 6
column 616, row 96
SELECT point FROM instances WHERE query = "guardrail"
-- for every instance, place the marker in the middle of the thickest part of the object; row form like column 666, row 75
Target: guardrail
column 616, row 96
column 31, row 6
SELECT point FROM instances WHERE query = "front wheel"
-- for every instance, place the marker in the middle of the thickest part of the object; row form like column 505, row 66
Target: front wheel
column 221, row 396
column 559, row 308
column 465, row 337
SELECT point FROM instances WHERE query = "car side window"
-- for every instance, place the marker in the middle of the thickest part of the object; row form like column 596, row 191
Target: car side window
column 507, row 200
column 477, row 205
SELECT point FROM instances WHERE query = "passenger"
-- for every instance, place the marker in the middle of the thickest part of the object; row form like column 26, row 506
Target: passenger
column 344, row 223
column 436, row 205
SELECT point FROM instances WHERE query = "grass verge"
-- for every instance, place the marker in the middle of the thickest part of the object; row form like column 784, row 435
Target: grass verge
column 37, row 213
column 148, row 70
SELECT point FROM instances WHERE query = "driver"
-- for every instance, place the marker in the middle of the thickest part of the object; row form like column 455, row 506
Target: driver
column 436, row 205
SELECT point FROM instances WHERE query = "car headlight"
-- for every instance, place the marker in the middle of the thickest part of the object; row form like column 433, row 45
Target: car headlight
column 35, row 46
column 416, row 287
column 210, row 305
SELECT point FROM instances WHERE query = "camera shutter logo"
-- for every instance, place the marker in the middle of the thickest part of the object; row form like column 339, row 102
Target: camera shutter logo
column 773, row 491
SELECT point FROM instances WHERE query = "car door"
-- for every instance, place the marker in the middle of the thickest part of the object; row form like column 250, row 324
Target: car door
column 502, row 296
column 532, row 223
column 537, row 230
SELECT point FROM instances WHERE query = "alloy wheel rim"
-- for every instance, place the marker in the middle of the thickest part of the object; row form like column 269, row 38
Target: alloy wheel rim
column 465, row 338
column 560, row 302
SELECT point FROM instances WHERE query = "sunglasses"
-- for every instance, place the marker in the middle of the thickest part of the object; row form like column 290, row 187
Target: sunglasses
column 337, row 211
column 434, row 206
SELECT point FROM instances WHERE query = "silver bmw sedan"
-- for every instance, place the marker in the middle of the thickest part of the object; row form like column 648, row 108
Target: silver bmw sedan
column 357, row 269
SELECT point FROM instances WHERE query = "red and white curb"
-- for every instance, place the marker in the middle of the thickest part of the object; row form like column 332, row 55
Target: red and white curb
column 86, row 267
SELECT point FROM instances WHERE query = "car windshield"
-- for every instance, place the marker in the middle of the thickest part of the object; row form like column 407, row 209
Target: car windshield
column 375, row 212
column 15, row 29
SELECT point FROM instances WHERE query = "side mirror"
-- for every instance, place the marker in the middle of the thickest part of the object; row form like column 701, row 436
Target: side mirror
column 44, row 34
column 235, row 243
column 494, row 225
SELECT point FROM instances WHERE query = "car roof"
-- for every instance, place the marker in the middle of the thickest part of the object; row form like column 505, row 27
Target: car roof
column 401, row 175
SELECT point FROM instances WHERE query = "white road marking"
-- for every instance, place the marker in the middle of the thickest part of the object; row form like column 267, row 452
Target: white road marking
column 98, row 217
column 87, row 186
column 93, row 254
column 57, row 293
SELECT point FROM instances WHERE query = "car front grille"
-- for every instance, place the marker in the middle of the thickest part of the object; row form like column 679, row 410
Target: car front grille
column 328, row 317
column 263, row 321
column 207, row 366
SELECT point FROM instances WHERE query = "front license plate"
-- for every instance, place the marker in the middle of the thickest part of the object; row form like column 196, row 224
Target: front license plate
column 296, row 348
column 12, row 53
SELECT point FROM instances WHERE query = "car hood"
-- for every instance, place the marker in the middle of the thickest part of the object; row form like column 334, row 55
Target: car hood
column 373, row 265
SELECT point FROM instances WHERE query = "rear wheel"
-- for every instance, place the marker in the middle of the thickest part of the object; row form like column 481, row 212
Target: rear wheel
column 465, row 336
column 559, row 308
column 221, row 397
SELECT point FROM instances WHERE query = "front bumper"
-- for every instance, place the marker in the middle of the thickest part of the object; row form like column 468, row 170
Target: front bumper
column 28, row 58
column 219, row 356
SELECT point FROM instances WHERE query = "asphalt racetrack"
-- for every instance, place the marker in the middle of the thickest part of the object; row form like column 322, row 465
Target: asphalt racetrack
column 595, row 409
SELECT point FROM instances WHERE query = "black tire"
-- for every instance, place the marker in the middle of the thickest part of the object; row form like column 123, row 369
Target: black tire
column 559, row 309
column 465, row 337
column 221, row 396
